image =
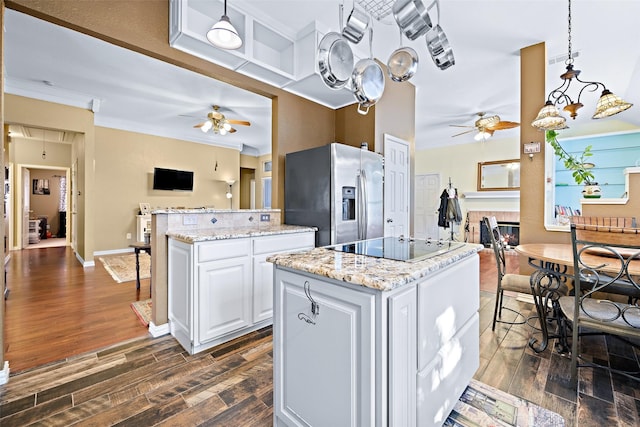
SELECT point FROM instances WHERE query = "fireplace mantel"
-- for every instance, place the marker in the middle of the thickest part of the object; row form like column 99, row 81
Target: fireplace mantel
column 491, row 194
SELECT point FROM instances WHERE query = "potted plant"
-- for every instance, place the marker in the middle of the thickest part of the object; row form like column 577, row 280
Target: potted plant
column 578, row 165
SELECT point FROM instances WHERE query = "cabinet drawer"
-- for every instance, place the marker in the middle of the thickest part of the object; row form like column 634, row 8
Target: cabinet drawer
column 283, row 242
column 445, row 302
column 231, row 248
column 444, row 380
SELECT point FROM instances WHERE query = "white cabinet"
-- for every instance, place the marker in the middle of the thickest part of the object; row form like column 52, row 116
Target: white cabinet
column 224, row 297
column 376, row 358
column 325, row 364
column 222, row 289
column 264, row 247
column 143, row 225
column 34, row 231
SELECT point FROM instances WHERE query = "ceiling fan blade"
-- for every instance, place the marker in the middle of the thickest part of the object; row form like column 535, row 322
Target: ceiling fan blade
column 199, row 125
column 239, row 122
column 503, row 125
column 232, row 130
column 462, row 133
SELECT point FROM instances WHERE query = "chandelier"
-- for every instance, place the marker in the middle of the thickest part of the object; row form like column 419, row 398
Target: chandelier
column 549, row 117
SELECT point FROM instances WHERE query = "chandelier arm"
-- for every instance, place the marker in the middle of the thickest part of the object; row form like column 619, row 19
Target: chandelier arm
column 559, row 94
column 591, row 86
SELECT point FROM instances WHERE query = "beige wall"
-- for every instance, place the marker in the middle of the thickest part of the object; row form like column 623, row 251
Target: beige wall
column 460, row 163
column 124, row 178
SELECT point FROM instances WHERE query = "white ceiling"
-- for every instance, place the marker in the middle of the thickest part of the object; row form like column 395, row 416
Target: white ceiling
column 137, row 93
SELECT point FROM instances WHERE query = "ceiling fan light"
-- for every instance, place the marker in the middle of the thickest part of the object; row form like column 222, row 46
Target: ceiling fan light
column 206, row 126
column 610, row 104
column 224, row 35
column 549, row 118
column 483, row 135
column 223, row 131
column 226, row 126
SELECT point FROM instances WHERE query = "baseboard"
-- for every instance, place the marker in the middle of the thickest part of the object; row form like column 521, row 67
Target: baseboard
column 84, row 263
column 112, row 252
column 4, row 374
column 158, row 330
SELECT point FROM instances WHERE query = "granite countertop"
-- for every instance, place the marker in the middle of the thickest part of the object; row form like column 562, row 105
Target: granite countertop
column 210, row 210
column 192, row 236
column 376, row 273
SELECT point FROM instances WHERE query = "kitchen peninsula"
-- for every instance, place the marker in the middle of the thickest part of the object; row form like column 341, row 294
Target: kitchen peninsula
column 218, row 282
column 366, row 340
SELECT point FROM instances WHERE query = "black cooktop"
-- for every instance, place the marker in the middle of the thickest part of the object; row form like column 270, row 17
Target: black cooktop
column 398, row 248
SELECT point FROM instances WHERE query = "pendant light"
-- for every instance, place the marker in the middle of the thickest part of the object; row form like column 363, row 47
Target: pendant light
column 44, row 153
column 223, row 34
column 229, row 194
column 549, row 117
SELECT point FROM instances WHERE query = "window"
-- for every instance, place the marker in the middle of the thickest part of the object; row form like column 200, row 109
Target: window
column 266, row 193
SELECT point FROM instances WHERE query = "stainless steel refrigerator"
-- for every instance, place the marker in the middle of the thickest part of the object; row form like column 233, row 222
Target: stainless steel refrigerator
column 336, row 188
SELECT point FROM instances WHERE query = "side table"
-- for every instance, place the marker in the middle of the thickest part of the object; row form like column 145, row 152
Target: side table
column 137, row 247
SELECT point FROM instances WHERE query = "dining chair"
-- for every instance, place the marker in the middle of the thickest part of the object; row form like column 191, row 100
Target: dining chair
column 506, row 281
column 606, row 264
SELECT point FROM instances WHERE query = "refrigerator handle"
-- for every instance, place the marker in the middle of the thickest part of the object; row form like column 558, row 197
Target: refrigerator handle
column 363, row 217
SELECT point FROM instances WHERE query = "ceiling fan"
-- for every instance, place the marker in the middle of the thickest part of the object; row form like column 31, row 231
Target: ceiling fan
column 217, row 122
column 486, row 126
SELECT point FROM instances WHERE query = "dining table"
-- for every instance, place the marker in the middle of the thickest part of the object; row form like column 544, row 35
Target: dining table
column 553, row 277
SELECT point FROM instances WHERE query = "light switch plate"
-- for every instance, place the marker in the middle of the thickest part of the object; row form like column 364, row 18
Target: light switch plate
column 189, row 220
column 265, row 217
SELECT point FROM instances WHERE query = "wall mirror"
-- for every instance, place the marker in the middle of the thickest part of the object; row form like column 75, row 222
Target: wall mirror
column 500, row 175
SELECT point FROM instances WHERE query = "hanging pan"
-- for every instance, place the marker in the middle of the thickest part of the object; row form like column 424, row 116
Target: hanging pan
column 412, row 17
column 403, row 63
column 356, row 25
column 438, row 45
column 367, row 80
column 335, row 59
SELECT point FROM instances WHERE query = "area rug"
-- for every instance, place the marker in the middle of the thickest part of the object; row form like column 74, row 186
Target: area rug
column 123, row 267
column 142, row 309
column 483, row 406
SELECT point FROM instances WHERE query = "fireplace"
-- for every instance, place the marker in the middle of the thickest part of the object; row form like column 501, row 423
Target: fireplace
column 510, row 231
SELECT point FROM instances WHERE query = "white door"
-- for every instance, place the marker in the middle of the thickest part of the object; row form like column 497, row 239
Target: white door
column 427, row 202
column 25, row 202
column 396, row 186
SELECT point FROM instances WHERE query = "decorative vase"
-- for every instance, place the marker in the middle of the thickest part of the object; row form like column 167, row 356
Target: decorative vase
column 591, row 191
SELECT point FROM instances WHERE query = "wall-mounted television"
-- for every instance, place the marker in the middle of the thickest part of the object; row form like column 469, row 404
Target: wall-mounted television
column 172, row 179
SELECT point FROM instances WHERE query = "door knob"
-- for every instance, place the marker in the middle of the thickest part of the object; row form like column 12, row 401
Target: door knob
column 389, row 220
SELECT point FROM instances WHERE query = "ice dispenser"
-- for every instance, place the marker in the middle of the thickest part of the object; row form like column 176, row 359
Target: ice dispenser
column 348, row 203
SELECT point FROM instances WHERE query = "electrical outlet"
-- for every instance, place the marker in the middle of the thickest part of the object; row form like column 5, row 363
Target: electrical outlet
column 128, row 236
column 190, row 220
column 265, row 217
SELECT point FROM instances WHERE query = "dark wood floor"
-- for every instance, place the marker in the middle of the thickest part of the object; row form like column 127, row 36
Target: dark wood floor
column 149, row 381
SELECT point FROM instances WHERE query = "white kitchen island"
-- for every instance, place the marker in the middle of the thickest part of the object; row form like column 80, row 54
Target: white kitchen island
column 364, row 341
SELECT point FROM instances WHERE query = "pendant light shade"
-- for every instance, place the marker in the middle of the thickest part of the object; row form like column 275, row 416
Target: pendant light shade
column 223, row 34
column 610, row 104
column 549, row 118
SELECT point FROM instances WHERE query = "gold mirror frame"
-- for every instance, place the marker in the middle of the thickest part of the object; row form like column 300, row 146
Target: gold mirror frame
column 500, row 175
